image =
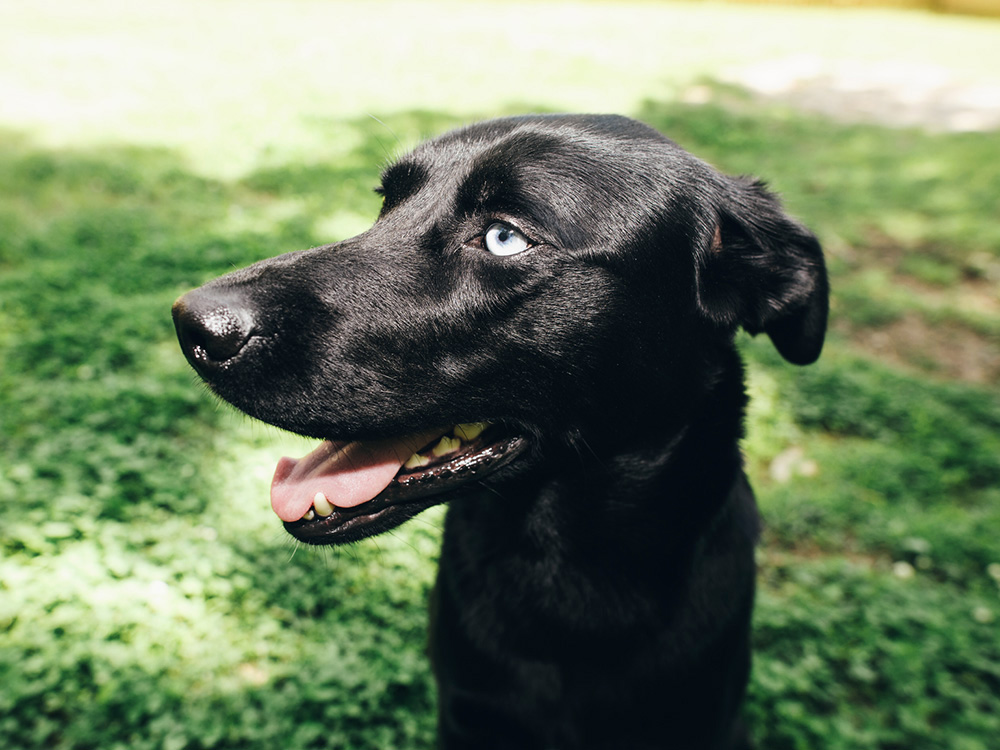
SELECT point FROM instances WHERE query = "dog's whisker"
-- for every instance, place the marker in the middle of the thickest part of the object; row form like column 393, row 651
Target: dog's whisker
column 378, row 549
column 429, row 524
column 490, row 488
column 392, row 132
column 403, row 540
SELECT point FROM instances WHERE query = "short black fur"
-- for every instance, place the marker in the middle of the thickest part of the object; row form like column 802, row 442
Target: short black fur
column 595, row 593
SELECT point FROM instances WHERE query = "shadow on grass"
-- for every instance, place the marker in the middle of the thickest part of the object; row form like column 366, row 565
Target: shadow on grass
column 137, row 609
column 142, row 610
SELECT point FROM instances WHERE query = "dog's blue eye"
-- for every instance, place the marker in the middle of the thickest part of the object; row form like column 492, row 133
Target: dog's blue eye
column 503, row 239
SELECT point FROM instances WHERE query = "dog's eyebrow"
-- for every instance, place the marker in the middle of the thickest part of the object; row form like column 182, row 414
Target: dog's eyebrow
column 513, row 176
column 495, row 180
column 399, row 182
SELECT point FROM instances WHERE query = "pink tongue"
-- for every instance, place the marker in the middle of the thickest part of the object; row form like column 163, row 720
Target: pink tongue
column 347, row 473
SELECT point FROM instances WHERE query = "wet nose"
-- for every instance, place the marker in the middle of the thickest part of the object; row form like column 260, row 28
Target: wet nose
column 213, row 327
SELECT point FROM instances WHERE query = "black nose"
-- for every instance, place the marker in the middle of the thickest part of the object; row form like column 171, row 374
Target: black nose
column 213, row 327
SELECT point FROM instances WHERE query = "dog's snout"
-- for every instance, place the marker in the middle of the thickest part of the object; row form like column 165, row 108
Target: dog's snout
column 212, row 329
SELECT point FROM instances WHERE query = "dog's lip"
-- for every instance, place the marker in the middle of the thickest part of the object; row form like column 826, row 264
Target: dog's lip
column 411, row 490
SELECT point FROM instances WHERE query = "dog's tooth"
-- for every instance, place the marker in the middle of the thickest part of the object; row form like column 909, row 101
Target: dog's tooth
column 322, row 505
column 416, row 461
column 445, row 445
column 469, row 431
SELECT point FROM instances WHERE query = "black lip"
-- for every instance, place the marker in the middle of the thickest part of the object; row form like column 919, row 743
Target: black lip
column 407, row 495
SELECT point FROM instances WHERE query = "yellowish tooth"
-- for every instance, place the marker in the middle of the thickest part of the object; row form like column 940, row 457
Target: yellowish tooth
column 446, row 445
column 469, row 431
column 322, row 505
column 309, row 515
column 416, row 461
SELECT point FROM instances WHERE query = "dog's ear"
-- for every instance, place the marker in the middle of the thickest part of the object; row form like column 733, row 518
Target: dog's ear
column 760, row 269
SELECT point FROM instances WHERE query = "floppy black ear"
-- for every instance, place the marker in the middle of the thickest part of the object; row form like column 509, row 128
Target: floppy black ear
column 760, row 269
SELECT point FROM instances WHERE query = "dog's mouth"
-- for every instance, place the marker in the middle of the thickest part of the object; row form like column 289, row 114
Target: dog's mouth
column 344, row 491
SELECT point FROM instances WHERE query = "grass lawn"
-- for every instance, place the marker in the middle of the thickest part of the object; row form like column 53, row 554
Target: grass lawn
column 148, row 597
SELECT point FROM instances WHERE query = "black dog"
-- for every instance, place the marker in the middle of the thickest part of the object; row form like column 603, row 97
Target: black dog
column 539, row 330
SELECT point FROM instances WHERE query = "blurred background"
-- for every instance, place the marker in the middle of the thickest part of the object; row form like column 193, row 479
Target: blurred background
column 149, row 598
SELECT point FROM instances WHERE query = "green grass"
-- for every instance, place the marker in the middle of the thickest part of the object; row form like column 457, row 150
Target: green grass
column 149, row 599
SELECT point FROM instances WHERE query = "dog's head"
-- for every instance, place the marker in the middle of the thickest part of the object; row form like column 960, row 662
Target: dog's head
column 527, row 281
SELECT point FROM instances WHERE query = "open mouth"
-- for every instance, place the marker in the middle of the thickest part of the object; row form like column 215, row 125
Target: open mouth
column 344, row 491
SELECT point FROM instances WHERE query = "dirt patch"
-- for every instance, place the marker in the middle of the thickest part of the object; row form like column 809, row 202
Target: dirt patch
column 887, row 93
column 943, row 350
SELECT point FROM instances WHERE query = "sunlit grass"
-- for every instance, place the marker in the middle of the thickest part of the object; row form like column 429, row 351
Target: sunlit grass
column 234, row 84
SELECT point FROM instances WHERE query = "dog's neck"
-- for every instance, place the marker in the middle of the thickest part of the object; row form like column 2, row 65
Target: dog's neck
column 615, row 541
column 643, row 498
column 664, row 487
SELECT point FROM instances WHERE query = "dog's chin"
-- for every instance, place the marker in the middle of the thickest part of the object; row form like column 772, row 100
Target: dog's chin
column 417, row 485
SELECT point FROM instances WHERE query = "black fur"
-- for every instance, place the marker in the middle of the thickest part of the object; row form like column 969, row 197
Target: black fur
column 595, row 592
